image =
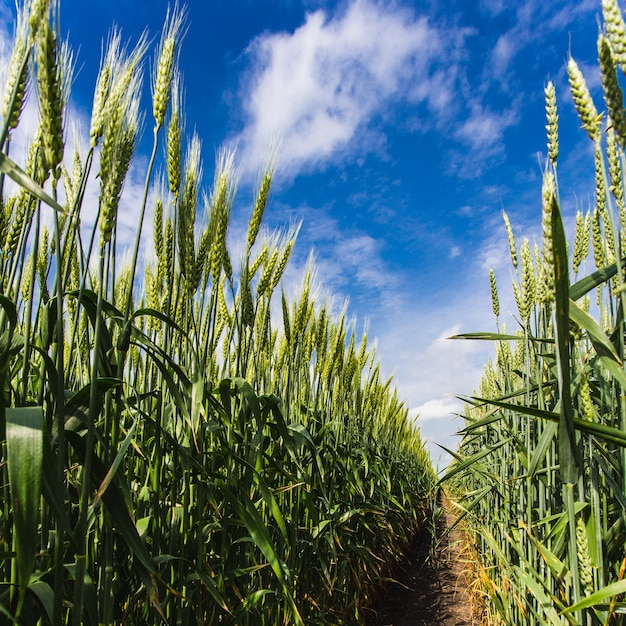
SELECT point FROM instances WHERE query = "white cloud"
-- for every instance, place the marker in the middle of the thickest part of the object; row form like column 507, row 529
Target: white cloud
column 484, row 128
column 317, row 86
column 535, row 18
column 482, row 134
column 349, row 264
column 430, row 370
column 438, row 427
column 324, row 87
column 493, row 7
column 440, row 408
column 571, row 12
column 502, row 55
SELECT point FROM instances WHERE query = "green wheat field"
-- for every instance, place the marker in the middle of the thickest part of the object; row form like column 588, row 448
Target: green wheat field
column 182, row 444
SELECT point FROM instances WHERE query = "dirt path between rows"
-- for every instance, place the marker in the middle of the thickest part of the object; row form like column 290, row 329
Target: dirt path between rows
column 431, row 591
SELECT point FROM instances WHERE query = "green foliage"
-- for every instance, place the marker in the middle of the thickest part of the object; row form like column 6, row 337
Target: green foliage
column 181, row 459
column 544, row 441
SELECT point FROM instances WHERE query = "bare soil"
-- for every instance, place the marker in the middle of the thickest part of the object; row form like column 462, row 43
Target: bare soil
column 432, row 587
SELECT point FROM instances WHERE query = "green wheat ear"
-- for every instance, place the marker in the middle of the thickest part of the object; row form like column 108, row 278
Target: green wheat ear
column 261, row 198
column 166, row 63
column 51, row 100
column 222, row 194
column 552, row 125
column 615, row 30
column 583, row 101
column 174, row 139
column 613, row 95
column 269, row 264
column 103, row 87
column 495, row 301
column 188, row 208
column 511, row 239
column 38, row 14
column 117, row 151
column 548, row 192
column 17, row 76
column 581, row 240
column 285, row 255
column 529, row 293
column 586, row 566
column 544, row 279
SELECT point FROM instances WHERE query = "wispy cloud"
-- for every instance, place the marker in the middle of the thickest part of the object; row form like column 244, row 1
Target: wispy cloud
column 502, row 55
column 535, row 26
column 350, row 263
column 536, row 19
column 493, row 7
column 485, row 127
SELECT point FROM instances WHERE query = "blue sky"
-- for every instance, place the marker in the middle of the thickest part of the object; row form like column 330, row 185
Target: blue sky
column 406, row 128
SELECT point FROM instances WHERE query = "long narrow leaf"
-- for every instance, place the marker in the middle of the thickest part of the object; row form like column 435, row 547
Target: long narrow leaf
column 567, row 444
column 119, row 457
column 598, row 597
column 599, row 277
column 18, row 175
column 468, row 462
column 600, row 341
column 609, row 433
column 24, row 432
column 116, row 506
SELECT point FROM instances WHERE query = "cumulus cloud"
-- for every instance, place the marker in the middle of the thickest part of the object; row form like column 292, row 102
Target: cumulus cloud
column 437, row 409
column 318, row 86
column 325, row 87
column 437, row 428
column 429, row 369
